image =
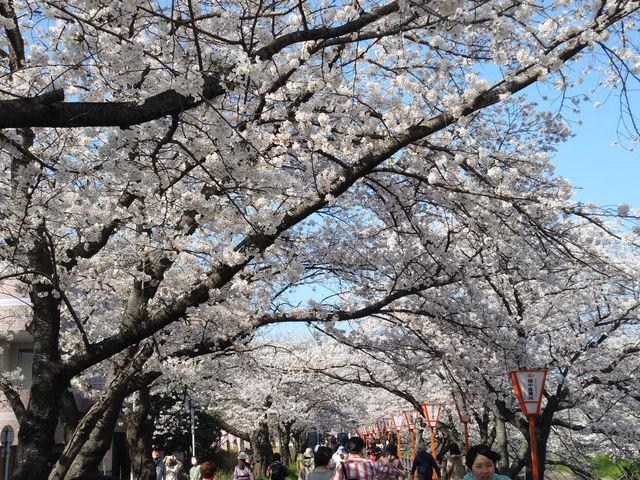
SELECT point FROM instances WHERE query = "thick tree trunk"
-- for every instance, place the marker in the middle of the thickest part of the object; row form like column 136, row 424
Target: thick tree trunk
column 284, row 433
column 298, row 441
column 501, row 442
column 69, row 414
column 483, row 426
column 262, row 451
column 86, row 462
column 34, row 457
column 92, row 438
column 139, row 432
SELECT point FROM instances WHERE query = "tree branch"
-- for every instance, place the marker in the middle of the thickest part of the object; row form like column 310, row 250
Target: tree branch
column 14, row 400
column 227, row 427
column 48, row 110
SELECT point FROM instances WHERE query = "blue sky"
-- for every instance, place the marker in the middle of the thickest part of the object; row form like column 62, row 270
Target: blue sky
column 601, row 171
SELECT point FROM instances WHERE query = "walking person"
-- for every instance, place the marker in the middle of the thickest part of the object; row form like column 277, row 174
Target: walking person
column 305, row 464
column 424, row 464
column 390, row 456
column 321, row 459
column 242, row 470
column 158, row 463
column 194, row 473
column 356, row 467
column 277, row 471
column 338, row 457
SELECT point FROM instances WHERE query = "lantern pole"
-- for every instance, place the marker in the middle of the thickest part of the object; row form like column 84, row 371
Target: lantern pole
column 528, row 386
column 432, row 414
column 464, row 418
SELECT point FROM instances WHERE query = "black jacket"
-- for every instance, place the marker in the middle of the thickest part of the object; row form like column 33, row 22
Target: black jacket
column 423, row 464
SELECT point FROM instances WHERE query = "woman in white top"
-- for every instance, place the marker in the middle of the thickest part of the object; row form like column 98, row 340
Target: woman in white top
column 172, row 466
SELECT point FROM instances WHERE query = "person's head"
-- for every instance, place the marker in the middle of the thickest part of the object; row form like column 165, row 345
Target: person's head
column 454, row 449
column 194, row 460
column 243, row 458
column 322, row 456
column 207, row 469
column 277, row 457
column 355, row 445
column 481, row 460
column 155, row 453
column 390, row 450
column 308, row 455
column 421, row 447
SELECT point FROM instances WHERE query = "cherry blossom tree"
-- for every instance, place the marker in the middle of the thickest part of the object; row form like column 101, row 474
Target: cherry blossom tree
column 173, row 171
column 575, row 318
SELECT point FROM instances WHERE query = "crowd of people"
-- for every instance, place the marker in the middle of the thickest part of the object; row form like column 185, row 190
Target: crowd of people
column 170, row 467
column 352, row 462
column 331, row 462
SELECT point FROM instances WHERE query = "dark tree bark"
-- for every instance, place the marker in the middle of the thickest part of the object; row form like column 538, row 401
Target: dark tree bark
column 39, row 420
column 49, row 110
column 139, row 432
column 262, row 451
column 298, row 441
column 284, row 434
column 69, row 414
column 501, row 442
column 92, row 438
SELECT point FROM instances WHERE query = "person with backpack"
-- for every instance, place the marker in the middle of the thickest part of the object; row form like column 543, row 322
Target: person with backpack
column 424, row 464
column 277, row 470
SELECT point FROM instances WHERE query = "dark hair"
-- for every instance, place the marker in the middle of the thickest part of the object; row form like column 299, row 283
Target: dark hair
column 322, row 456
column 391, row 449
column 207, row 469
column 277, row 457
column 355, row 445
column 481, row 450
column 454, row 449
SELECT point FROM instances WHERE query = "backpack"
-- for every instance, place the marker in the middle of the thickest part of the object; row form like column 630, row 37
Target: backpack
column 278, row 471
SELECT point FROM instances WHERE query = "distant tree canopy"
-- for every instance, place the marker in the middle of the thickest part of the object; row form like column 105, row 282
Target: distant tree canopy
column 174, row 172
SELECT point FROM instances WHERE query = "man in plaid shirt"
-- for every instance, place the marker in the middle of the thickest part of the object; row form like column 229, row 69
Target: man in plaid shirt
column 358, row 468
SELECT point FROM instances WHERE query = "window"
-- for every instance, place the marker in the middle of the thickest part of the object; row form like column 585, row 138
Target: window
column 25, row 362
